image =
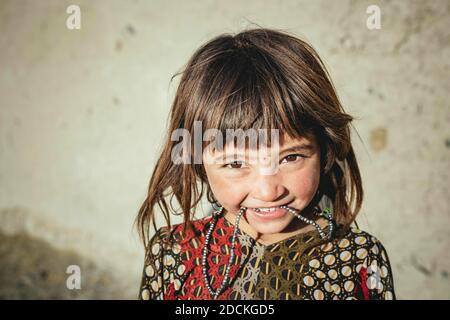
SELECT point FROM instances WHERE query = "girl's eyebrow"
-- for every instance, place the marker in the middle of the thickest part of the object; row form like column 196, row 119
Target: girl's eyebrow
column 297, row 148
column 301, row 147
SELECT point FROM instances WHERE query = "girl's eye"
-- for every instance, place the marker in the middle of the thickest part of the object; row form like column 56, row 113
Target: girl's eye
column 235, row 165
column 292, row 157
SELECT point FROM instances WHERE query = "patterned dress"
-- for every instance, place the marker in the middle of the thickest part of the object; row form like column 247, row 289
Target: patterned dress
column 354, row 265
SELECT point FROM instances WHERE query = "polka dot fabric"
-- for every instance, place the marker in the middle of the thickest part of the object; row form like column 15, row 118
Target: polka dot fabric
column 354, row 267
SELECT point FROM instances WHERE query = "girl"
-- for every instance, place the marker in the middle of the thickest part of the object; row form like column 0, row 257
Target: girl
column 286, row 234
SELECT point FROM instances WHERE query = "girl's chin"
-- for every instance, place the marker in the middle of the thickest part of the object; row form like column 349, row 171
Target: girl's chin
column 267, row 229
column 270, row 226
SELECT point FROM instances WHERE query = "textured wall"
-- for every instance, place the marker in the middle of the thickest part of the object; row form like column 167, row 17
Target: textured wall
column 83, row 113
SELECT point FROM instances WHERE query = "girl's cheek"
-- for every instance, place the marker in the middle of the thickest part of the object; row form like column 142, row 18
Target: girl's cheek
column 230, row 193
column 304, row 184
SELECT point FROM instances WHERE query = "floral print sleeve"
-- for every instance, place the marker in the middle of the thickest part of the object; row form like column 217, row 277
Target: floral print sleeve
column 151, row 284
column 377, row 273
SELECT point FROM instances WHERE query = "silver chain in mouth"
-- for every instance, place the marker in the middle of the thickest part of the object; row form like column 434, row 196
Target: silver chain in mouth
column 264, row 209
column 326, row 213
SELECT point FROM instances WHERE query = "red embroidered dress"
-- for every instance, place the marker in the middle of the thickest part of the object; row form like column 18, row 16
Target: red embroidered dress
column 354, row 266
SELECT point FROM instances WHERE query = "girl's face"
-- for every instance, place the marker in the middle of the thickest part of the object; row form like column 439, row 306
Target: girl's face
column 244, row 182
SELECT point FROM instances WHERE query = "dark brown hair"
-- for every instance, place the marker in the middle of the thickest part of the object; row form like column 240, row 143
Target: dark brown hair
column 259, row 79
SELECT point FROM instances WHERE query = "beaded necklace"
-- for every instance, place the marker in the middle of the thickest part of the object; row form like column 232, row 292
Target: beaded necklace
column 326, row 213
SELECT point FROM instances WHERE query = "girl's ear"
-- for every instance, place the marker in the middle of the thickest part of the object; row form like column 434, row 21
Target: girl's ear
column 325, row 202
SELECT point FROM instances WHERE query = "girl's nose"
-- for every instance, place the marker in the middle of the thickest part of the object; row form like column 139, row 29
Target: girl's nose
column 268, row 188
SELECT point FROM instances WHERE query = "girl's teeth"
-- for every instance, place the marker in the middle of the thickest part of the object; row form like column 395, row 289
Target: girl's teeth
column 264, row 209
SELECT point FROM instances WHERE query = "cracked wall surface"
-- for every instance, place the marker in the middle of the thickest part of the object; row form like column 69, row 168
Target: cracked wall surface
column 83, row 113
column 33, row 269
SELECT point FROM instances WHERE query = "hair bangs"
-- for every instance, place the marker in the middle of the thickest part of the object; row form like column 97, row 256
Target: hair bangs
column 250, row 94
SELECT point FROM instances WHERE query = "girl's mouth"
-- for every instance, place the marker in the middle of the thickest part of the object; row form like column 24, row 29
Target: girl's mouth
column 267, row 213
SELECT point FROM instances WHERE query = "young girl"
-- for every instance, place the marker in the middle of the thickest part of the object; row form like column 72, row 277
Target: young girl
column 283, row 234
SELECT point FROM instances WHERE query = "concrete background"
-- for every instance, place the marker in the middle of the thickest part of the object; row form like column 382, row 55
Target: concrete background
column 83, row 113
